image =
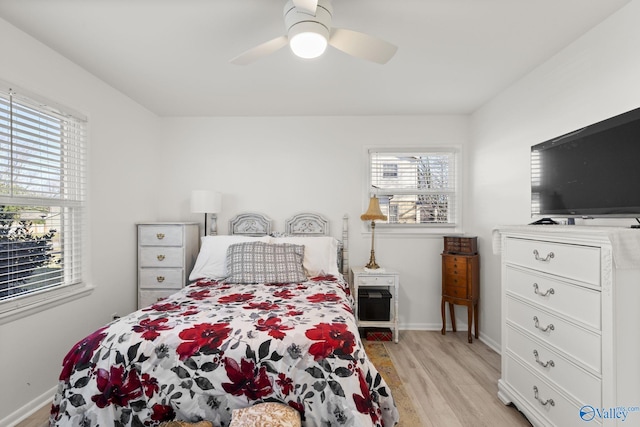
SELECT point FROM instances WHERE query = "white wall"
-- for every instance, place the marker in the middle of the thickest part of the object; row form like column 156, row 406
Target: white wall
column 122, row 190
column 283, row 166
column 594, row 78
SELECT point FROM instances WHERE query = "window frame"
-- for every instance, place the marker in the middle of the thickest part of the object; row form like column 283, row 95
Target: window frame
column 26, row 304
column 414, row 229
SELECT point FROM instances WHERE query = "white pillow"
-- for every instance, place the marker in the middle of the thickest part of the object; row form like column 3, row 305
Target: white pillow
column 320, row 253
column 212, row 259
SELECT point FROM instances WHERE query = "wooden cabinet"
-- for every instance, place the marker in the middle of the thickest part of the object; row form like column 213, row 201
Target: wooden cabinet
column 166, row 255
column 371, row 280
column 569, row 324
column 460, row 280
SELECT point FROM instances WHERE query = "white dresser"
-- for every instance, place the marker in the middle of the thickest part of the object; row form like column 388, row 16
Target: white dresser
column 167, row 252
column 570, row 324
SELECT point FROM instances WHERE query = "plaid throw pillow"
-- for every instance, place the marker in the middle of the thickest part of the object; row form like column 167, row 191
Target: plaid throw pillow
column 259, row 262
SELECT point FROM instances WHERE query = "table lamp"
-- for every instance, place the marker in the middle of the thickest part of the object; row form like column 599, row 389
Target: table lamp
column 372, row 214
column 209, row 203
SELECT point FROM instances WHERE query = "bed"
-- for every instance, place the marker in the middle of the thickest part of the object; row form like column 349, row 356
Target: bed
column 267, row 318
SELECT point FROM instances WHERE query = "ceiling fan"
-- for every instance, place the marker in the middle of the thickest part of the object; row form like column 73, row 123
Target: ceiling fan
column 309, row 31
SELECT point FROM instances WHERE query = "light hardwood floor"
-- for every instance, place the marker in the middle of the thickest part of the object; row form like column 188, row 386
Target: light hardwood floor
column 452, row 383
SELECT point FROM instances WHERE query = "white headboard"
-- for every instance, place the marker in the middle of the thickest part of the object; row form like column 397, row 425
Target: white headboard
column 302, row 224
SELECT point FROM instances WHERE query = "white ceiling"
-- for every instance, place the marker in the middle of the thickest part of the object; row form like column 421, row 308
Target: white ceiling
column 171, row 56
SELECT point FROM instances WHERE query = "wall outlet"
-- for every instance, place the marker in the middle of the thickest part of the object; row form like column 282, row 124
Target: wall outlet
column 115, row 316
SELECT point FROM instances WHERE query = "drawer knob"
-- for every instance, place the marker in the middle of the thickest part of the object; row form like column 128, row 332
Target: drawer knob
column 549, row 256
column 545, row 402
column 549, row 327
column 160, row 257
column 536, row 290
column 160, row 236
column 160, row 279
column 541, row 363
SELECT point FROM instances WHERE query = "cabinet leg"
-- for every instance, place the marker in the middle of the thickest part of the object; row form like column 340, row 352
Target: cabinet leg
column 444, row 317
column 475, row 318
column 469, row 321
column 453, row 317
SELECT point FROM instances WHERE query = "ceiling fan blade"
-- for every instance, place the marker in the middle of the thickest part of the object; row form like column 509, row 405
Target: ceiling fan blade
column 362, row 45
column 259, row 51
column 306, row 6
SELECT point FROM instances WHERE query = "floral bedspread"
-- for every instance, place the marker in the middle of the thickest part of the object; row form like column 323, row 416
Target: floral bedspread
column 214, row 347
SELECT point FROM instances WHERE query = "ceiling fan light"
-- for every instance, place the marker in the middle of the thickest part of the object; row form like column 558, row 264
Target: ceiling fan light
column 308, row 44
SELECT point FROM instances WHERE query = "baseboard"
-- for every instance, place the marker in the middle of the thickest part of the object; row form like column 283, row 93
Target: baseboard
column 25, row 411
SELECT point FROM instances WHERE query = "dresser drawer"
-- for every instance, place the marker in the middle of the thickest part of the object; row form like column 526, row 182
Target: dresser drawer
column 455, row 266
column 456, row 292
column 574, row 261
column 561, row 413
column 160, row 235
column 161, row 278
column 376, row 280
column 151, row 256
column 579, row 343
column 585, row 387
column 147, row 298
column 578, row 302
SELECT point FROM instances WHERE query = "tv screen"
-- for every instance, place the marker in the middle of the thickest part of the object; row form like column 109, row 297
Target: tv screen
column 592, row 172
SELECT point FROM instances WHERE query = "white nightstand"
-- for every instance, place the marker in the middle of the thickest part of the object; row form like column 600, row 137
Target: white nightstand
column 167, row 252
column 384, row 280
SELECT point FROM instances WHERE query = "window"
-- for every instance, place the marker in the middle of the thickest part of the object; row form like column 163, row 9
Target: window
column 42, row 196
column 415, row 187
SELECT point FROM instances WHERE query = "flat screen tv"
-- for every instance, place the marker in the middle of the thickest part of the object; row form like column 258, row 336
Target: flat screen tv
column 591, row 172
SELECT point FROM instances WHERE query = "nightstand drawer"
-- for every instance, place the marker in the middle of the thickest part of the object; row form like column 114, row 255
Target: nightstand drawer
column 369, row 280
column 161, row 256
column 160, row 278
column 160, row 235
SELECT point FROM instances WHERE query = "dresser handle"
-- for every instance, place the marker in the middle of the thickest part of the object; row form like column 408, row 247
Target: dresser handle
column 160, row 257
column 546, row 402
column 537, row 325
column 160, row 279
column 543, row 364
column 160, row 236
column 549, row 291
column 549, row 256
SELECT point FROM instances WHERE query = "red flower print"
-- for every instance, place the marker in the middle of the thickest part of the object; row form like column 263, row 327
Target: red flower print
column 347, row 308
column 285, row 384
column 79, row 357
column 202, row 335
column 150, row 385
column 246, row 379
column 117, row 387
column 149, row 328
column 235, row 298
column 193, row 309
column 162, row 412
column 274, row 326
column 293, row 313
column 168, row 306
column 199, row 295
column 364, row 403
column 264, row 305
column 324, row 278
column 324, row 298
column 206, row 282
column 334, row 338
column 284, row 294
column 298, row 407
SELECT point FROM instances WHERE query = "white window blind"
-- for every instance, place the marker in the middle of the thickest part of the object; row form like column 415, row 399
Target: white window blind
column 42, row 196
column 415, row 187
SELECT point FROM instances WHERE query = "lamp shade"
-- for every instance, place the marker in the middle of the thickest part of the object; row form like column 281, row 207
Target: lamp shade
column 205, row 201
column 374, row 212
